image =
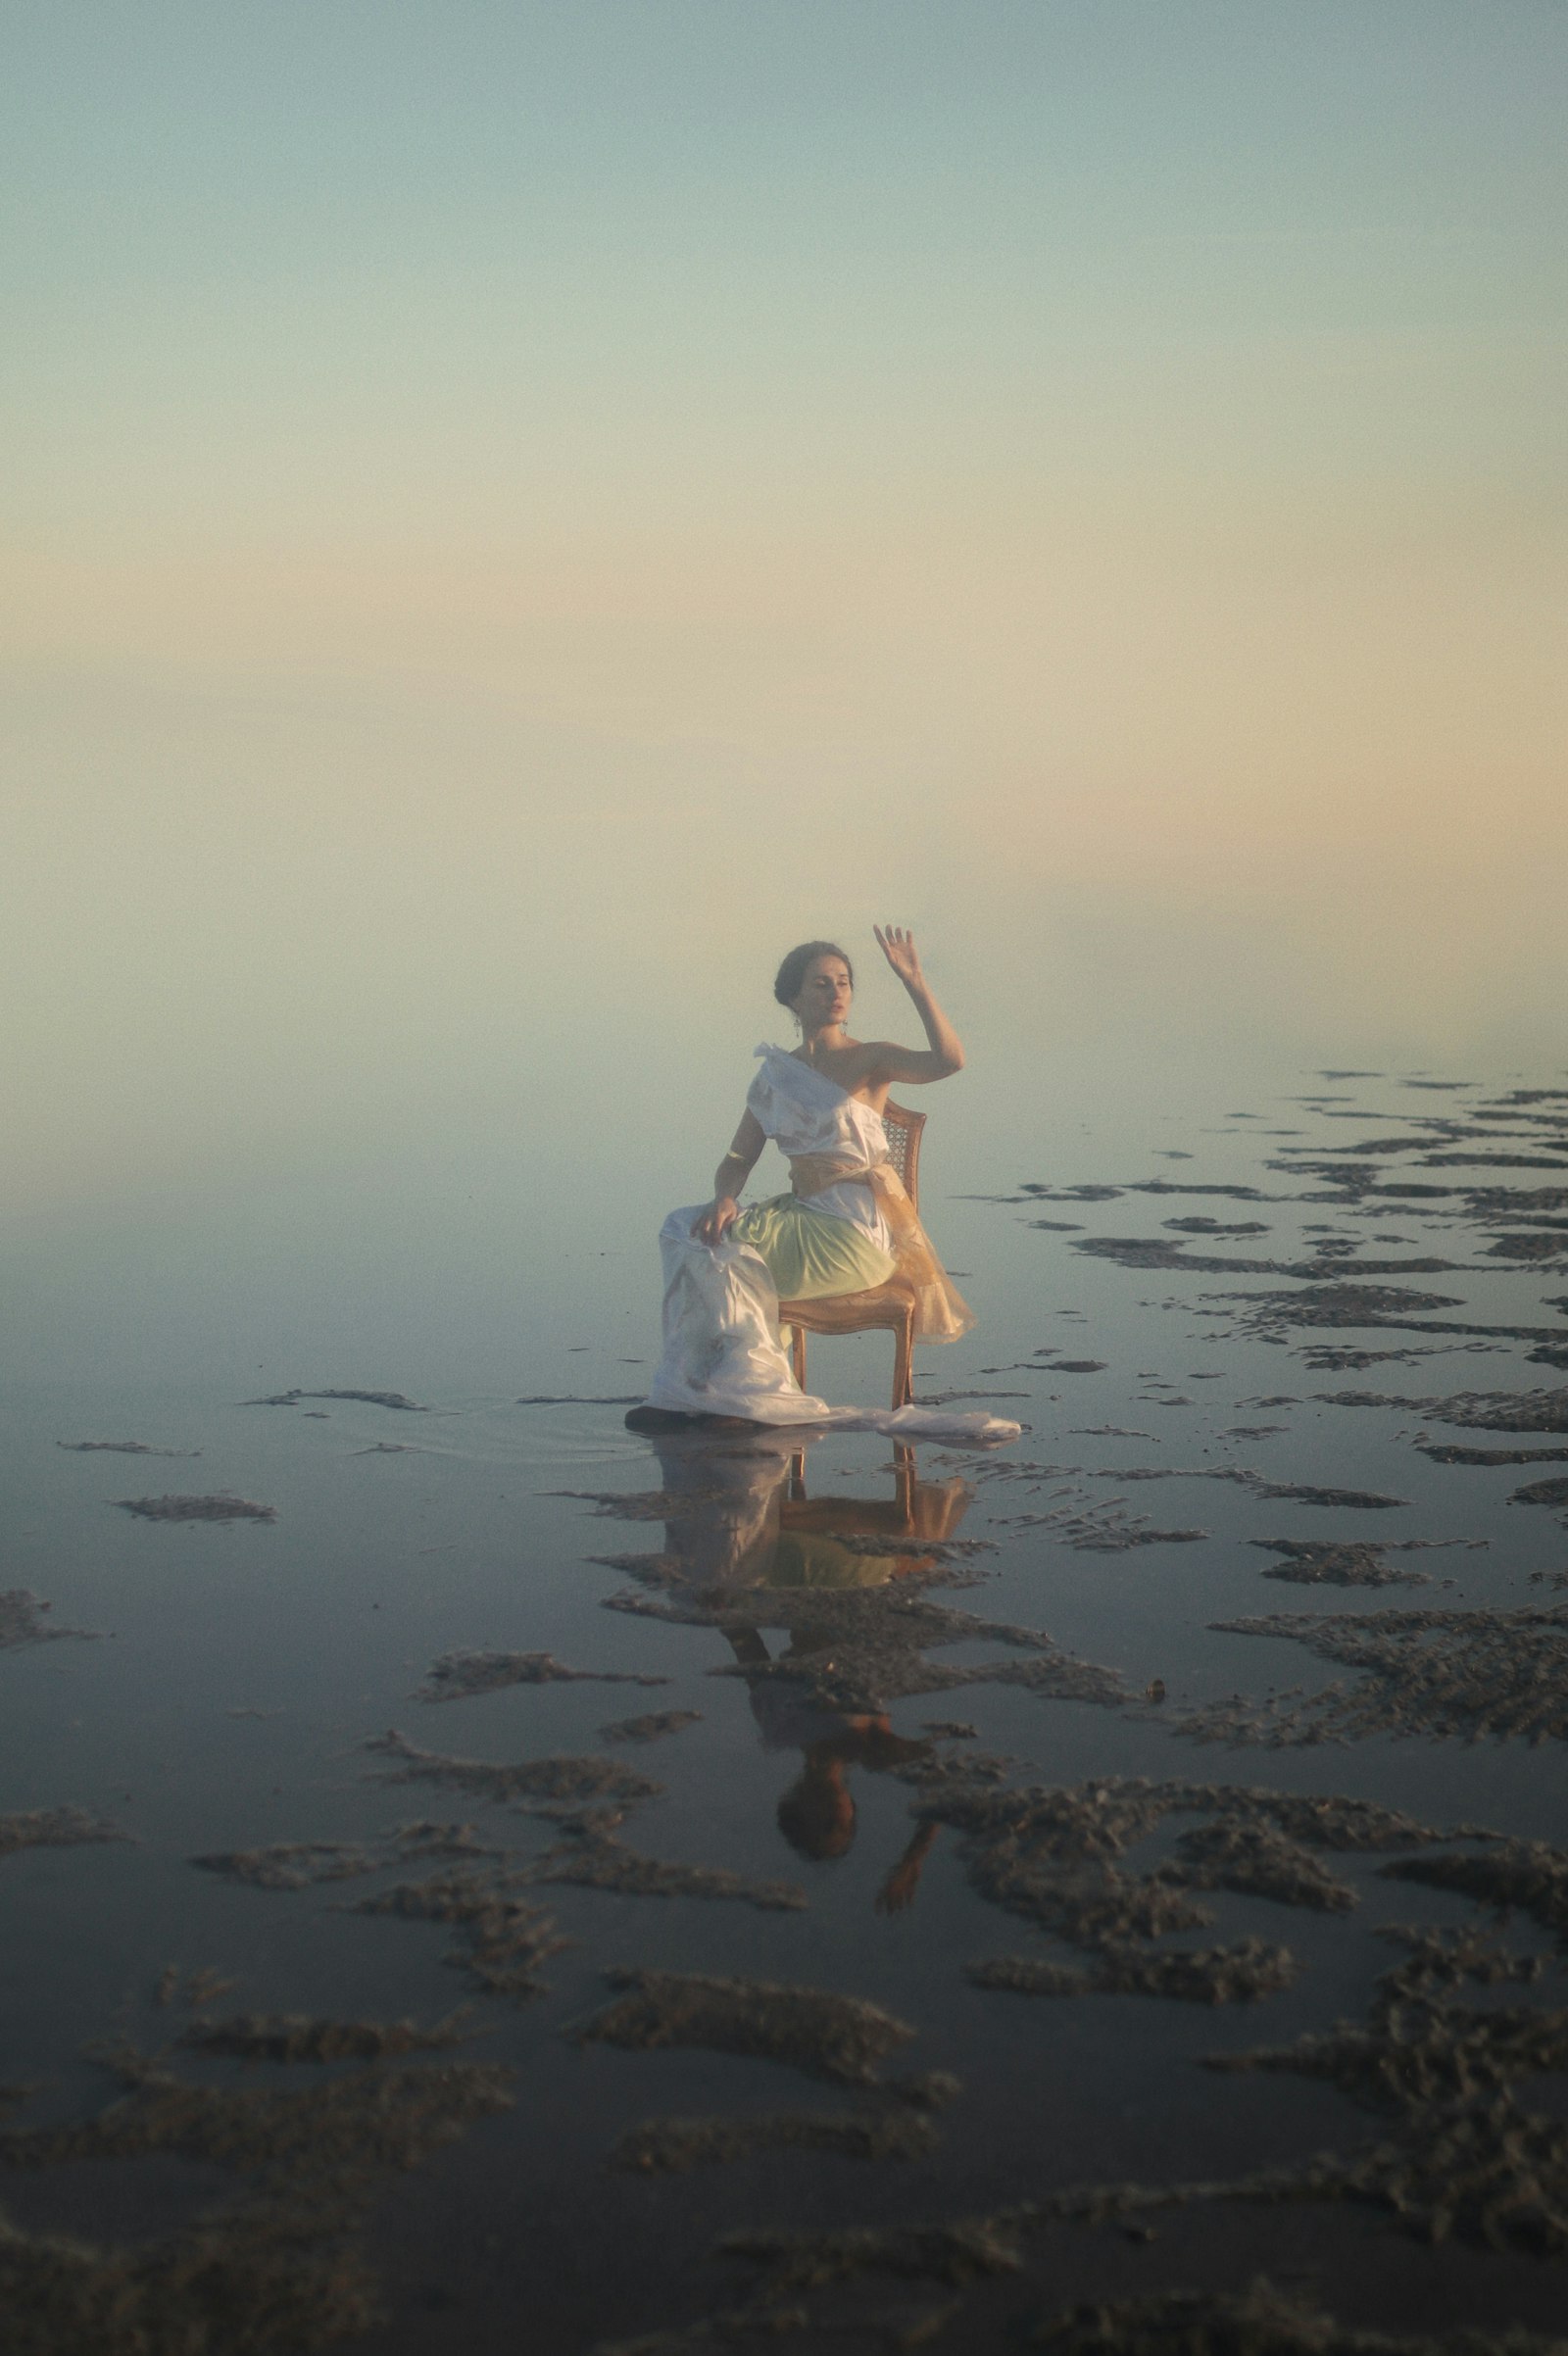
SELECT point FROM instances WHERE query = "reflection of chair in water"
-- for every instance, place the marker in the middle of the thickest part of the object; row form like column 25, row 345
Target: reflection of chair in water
column 887, row 1308
column 737, row 1516
column 832, row 1541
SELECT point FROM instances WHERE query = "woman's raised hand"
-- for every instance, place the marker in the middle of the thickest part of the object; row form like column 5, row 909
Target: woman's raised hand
column 898, row 947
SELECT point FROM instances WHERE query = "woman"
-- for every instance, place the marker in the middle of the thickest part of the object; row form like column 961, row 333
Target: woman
column 847, row 1224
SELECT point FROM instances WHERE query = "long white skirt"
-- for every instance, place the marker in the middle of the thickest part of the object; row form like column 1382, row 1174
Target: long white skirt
column 723, row 1354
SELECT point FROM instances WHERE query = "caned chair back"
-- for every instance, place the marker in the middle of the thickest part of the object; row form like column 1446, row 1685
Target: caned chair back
column 903, row 1145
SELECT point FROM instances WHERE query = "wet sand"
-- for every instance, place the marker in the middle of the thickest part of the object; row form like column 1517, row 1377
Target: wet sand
column 1199, row 1987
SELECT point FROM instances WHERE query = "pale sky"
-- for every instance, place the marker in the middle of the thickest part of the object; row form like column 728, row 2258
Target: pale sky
column 514, row 514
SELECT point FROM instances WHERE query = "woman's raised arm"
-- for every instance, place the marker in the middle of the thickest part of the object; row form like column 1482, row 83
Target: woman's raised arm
column 945, row 1054
column 728, row 1179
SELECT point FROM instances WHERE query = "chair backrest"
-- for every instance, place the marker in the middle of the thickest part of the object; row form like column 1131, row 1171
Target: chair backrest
column 903, row 1145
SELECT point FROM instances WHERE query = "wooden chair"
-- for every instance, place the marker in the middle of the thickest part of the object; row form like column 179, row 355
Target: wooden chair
column 889, row 1306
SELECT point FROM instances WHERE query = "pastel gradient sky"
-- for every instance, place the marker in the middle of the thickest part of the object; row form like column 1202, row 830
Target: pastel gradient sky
column 512, row 514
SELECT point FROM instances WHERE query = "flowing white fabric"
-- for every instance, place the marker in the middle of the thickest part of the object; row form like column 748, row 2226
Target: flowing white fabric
column 722, row 1351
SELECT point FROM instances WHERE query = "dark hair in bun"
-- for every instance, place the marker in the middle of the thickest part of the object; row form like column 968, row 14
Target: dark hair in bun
column 790, row 980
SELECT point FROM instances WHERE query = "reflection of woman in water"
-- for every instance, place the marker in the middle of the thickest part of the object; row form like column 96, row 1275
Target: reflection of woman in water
column 762, row 1554
column 817, row 1815
column 819, row 1547
column 847, row 1225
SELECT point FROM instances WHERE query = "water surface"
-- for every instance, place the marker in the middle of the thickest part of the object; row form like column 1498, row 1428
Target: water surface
column 1258, row 1365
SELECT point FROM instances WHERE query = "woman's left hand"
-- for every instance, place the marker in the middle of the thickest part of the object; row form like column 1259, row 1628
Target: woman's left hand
column 898, row 947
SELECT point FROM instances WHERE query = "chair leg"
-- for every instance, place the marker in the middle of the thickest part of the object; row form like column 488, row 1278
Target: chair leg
column 798, row 1354
column 903, row 1363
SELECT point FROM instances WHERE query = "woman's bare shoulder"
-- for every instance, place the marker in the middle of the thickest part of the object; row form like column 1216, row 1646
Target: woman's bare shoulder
column 862, row 1061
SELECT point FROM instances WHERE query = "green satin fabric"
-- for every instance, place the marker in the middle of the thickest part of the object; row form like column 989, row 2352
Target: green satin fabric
column 809, row 1253
column 810, row 1558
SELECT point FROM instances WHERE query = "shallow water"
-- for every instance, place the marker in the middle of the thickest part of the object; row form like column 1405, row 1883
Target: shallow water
column 236, row 1675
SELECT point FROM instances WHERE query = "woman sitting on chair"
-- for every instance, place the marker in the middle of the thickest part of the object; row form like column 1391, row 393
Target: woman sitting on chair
column 847, row 1226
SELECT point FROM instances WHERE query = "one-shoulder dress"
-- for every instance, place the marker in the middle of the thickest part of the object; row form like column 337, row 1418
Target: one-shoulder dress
column 847, row 1225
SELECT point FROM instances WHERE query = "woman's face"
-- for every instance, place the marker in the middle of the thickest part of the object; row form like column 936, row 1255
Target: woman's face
column 825, row 993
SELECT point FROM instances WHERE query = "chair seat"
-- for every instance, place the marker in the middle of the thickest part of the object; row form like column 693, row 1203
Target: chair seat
column 886, row 1304
column 884, row 1309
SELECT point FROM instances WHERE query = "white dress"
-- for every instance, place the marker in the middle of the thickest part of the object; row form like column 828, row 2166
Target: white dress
column 805, row 1113
column 722, row 1351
